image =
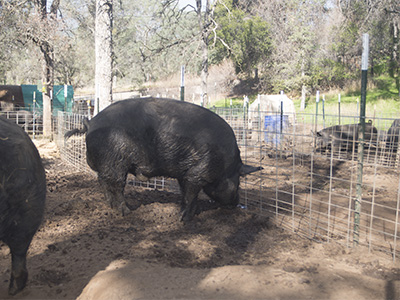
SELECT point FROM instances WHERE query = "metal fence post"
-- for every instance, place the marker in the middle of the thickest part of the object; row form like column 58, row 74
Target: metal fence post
column 182, row 96
column 316, row 119
column 361, row 132
column 339, row 107
column 34, row 114
column 323, row 109
column 316, row 110
column 281, row 126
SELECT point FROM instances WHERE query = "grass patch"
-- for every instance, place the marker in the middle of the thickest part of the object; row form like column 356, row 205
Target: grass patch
column 228, row 102
column 382, row 101
column 383, row 104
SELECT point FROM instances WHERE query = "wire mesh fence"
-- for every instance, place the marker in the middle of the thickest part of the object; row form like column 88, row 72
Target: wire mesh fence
column 30, row 120
column 310, row 173
column 73, row 151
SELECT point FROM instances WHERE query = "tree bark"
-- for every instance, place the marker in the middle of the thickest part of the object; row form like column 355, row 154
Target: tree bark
column 204, row 71
column 303, row 87
column 395, row 63
column 48, row 62
column 104, row 55
column 203, row 25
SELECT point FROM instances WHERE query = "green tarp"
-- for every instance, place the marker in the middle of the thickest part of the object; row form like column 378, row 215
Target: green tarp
column 31, row 92
column 59, row 102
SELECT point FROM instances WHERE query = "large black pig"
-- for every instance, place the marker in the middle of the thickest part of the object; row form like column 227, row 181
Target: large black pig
column 22, row 197
column 392, row 137
column 342, row 137
column 150, row 137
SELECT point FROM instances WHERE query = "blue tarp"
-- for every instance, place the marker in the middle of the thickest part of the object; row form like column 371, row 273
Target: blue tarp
column 274, row 125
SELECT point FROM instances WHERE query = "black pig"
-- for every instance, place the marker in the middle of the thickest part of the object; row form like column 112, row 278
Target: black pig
column 340, row 137
column 151, row 137
column 392, row 137
column 22, row 197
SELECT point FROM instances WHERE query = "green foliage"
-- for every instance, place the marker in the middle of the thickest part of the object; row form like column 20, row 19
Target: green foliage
column 15, row 51
column 328, row 73
column 311, row 43
column 152, row 40
column 243, row 38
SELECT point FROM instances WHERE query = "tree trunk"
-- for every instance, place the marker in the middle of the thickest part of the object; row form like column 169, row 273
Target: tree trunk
column 395, row 58
column 203, row 25
column 303, row 88
column 48, row 82
column 204, row 71
column 48, row 63
column 103, row 48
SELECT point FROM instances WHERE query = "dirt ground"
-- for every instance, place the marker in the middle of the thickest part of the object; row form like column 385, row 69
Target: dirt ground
column 84, row 249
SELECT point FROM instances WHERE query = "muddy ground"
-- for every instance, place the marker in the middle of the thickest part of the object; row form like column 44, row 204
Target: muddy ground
column 84, row 249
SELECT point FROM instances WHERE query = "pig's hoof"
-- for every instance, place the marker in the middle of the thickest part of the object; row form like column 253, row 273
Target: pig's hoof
column 124, row 209
column 17, row 284
column 186, row 217
column 12, row 290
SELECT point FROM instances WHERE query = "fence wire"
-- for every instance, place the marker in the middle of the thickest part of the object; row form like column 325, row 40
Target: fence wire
column 309, row 177
column 30, row 120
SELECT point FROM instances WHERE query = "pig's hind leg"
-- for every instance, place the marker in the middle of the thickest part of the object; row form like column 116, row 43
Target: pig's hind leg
column 190, row 193
column 19, row 243
column 113, row 186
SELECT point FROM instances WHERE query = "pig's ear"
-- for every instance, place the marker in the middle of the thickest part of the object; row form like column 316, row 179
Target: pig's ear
column 246, row 169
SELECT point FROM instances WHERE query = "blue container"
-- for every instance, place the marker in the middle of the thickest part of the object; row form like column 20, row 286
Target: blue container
column 273, row 130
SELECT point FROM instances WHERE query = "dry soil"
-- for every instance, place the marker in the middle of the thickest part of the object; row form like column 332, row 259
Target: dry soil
column 85, row 249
